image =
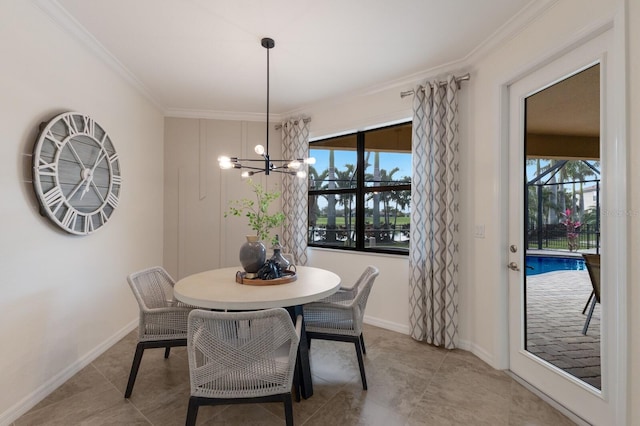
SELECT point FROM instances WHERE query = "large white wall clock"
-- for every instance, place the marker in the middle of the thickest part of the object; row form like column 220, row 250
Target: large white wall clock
column 76, row 173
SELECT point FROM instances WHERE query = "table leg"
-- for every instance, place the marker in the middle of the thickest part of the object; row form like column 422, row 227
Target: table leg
column 302, row 363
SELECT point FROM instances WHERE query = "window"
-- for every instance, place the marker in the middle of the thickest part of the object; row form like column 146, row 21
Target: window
column 360, row 190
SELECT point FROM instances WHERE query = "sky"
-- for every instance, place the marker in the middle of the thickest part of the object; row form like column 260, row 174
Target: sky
column 388, row 161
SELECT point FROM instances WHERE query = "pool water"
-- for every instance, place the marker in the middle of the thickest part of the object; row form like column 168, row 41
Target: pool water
column 541, row 264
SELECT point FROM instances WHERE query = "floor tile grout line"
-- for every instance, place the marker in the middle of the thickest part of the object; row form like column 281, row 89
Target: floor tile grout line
column 429, row 383
column 48, row 406
column 118, row 390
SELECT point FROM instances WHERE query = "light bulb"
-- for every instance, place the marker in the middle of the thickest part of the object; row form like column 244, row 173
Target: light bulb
column 246, row 174
column 225, row 162
column 295, row 164
column 310, row 160
column 259, row 149
column 301, row 174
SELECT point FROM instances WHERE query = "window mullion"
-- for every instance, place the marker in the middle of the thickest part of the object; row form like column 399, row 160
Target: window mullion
column 360, row 193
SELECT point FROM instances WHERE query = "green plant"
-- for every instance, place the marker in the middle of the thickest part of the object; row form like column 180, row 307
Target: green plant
column 258, row 211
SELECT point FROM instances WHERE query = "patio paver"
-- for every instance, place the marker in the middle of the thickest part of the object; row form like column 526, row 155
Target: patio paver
column 555, row 301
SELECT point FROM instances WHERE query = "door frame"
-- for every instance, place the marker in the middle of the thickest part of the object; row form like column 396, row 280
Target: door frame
column 615, row 243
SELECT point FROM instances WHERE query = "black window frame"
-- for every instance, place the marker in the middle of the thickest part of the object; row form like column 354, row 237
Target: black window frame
column 360, row 191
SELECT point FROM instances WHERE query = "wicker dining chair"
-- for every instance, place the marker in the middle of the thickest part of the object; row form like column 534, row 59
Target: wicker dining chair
column 339, row 317
column 163, row 319
column 241, row 357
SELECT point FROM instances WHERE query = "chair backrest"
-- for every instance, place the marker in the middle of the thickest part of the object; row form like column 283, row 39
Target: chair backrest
column 364, row 285
column 346, row 294
column 592, row 261
column 152, row 288
column 241, row 354
column 366, row 275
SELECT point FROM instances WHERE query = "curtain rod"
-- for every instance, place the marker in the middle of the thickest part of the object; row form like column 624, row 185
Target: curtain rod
column 465, row 77
column 304, row 120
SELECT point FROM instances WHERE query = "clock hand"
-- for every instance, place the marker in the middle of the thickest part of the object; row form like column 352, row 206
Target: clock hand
column 90, row 173
column 75, row 189
column 95, row 188
column 75, row 154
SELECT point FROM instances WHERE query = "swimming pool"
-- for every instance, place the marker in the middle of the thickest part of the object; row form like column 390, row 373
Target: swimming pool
column 541, row 264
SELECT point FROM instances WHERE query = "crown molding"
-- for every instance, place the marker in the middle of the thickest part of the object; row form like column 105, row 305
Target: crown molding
column 62, row 18
column 532, row 11
column 514, row 26
column 222, row 115
column 528, row 14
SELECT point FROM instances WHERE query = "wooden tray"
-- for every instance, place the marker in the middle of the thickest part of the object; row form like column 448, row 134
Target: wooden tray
column 286, row 278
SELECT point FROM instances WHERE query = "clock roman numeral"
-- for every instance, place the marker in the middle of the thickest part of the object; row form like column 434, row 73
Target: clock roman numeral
column 113, row 158
column 53, row 199
column 53, row 139
column 71, row 124
column 116, row 180
column 47, row 169
column 89, row 125
column 69, row 219
column 112, row 200
column 103, row 217
column 88, row 224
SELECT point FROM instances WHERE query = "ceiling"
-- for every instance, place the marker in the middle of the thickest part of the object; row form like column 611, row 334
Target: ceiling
column 204, row 56
column 569, row 107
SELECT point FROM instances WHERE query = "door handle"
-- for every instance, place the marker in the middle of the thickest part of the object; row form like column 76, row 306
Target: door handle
column 513, row 266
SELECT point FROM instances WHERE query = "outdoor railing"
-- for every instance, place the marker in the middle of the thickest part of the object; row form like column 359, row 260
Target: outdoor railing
column 554, row 237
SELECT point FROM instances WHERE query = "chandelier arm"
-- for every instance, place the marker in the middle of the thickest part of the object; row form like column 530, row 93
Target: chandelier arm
column 252, row 168
column 284, row 172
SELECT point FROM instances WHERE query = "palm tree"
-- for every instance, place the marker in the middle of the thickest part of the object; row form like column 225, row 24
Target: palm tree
column 402, row 200
column 582, row 172
column 386, row 197
column 376, row 195
column 331, row 199
column 343, row 180
column 316, row 181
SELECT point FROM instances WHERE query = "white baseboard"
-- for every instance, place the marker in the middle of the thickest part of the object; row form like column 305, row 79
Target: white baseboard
column 477, row 351
column 30, row 401
column 387, row 325
column 404, row 329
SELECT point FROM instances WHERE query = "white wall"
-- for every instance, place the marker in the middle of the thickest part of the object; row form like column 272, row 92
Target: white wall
column 197, row 192
column 388, row 303
column 65, row 298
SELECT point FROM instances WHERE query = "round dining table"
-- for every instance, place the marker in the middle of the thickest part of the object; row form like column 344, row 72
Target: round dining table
column 218, row 289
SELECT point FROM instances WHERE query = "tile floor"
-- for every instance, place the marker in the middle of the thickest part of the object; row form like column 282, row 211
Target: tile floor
column 410, row 383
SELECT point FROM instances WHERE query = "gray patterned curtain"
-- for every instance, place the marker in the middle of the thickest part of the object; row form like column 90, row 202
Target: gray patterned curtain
column 295, row 144
column 433, row 252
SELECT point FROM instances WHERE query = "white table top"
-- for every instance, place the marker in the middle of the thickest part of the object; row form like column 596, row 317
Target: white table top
column 217, row 289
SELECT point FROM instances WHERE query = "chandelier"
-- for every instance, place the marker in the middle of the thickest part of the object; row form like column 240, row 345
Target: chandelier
column 269, row 165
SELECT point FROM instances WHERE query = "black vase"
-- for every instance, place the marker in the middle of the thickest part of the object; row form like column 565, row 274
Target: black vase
column 280, row 260
column 253, row 254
